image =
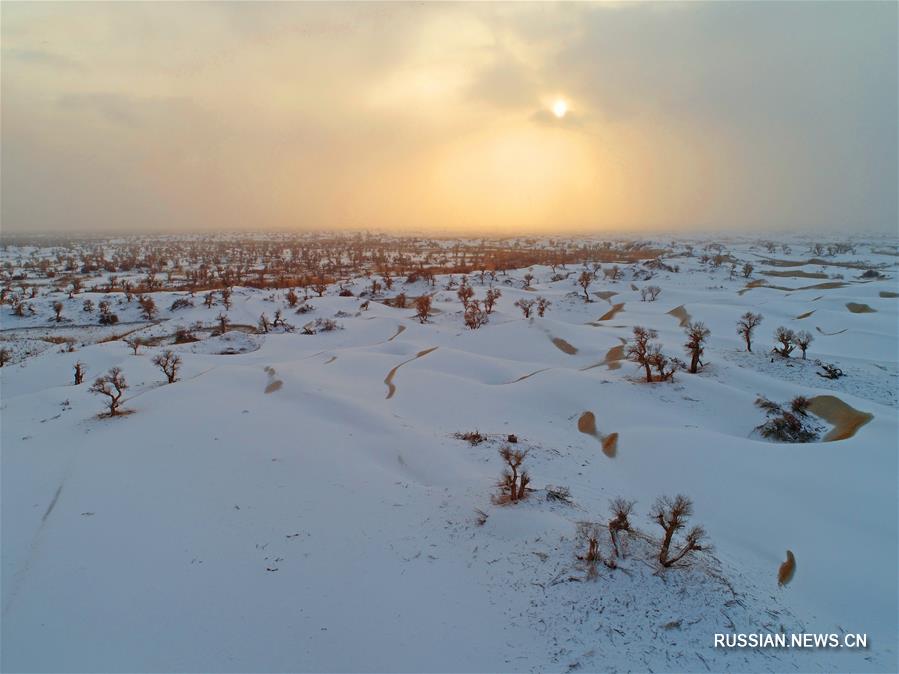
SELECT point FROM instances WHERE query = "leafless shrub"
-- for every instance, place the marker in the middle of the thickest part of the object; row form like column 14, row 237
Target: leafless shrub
column 589, row 533
column 558, row 494
column 514, row 481
column 88, row 306
column 830, row 371
column 147, row 307
column 292, row 298
column 181, row 303
column 474, row 438
column 465, row 293
column 423, row 308
column 748, row 268
column 493, row 294
column 620, row 522
column 542, row 305
column 672, row 515
column 650, row 293
column 79, row 373
column 786, row 425
column 112, row 385
column 169, row 362
column 264, row 324
column 57, row 309
column 475, row 316
column 5, row 356
column 480, row 517
column 224, row 321
column 525, row 306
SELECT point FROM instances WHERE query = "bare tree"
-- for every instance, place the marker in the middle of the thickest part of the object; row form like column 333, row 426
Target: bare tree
column 292, row 298
column 209, row 299
column 803, row 339
column 542, row 305
column 527, row 280
column 639, row 349
column 514, row 481
column 584, row 281
column 785, row 337
column 88, row 306
column 147, row 306
column 672, row 515
column 223, row 323
column 650, row 293
column 746, row 326
column 525, row 306
column 264, row 323
column 400, row 301
column 57, row 308
column 226, row 298
column 493, row 294
column 112, row 385
column 621, row 510
column 79, row 373
column 423, row 308
column 465, row 293
column 169, row 362
column 319, row 287
column 665, row 367
column 748, row 269
column 5, row 356
column 134, row 342
column 697, row 333
column 475, row 317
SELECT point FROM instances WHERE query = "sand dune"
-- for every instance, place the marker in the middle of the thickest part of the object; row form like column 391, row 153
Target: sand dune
column 846, row 420
column 391, row 387
column 681, row 315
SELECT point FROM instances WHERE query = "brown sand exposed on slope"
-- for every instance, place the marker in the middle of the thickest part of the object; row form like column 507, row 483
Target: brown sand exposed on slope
column 858, row 308
column 830, row 334
column 274, row 386
column 681, row 315
column 760, row 283
column 888, row 294
column 605, row 295
column 562, row 345
column 523, row 377
column 330, row 360
column 613, row 359
column 399, row 330
column 787, row 569
column 805, row 315
column 796, row 273
column 846, row 420
column 610, row 314
column 586, row 424
column 391, row 388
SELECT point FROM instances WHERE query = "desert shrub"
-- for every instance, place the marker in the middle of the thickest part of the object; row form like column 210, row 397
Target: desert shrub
column 786, row 425
column 320, row 325
column 134, row 343
column 181, row 303
column 400, row 301
column 584, row 281
column 697, row 334
column 526, row 306
column 79, row 372
column 147, row 307
column 803, row 339
column 5, row 356
column 473, row 438
column 493, row 294
column 514, row 481
column 475, row 316
column 184, row 336
column 672, row 515
column 558, row 494
column 57, row 309
column 305, row 308
column 88, row 306
column 422, row 308
column 620, row 522
column 108, row 318
column 829, row 371
column 650, row 293
column 589, row 533
column 344, row 292
column 542, row 305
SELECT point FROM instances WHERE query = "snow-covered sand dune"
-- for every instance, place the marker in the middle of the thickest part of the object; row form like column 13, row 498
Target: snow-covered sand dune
column 328, row 523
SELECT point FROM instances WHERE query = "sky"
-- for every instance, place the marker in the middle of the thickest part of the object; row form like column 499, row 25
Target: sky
column 439, row 117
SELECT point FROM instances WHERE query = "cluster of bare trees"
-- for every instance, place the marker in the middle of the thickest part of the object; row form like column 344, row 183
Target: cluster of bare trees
column 787, row 341
column 786, row 423
column 648, row 355
column 671, row 514
column 539, row 303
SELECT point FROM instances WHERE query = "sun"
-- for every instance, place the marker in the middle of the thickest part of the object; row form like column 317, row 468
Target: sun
column 560, row 107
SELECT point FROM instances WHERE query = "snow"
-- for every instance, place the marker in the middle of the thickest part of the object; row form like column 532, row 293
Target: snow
column 324, row 526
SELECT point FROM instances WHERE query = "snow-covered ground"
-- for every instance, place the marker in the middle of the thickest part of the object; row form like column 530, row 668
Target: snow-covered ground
column 289, row 506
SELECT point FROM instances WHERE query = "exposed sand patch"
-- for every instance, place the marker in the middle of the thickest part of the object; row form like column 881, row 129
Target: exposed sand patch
column 859, row 308
column 586, row 424
column 787, row 569
column 830, row 334
column 805, row 315
column 613, row 359
column 273, row 383
column 846, row 420
column 562, row 345
column 610, row 314
column 605, row 295
column 330, row 360
column 761, row 283
column 681, row 315
column 797, row 273
column 399, row 330
column 391, row 387
column 523, row 377
column 888, row 294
